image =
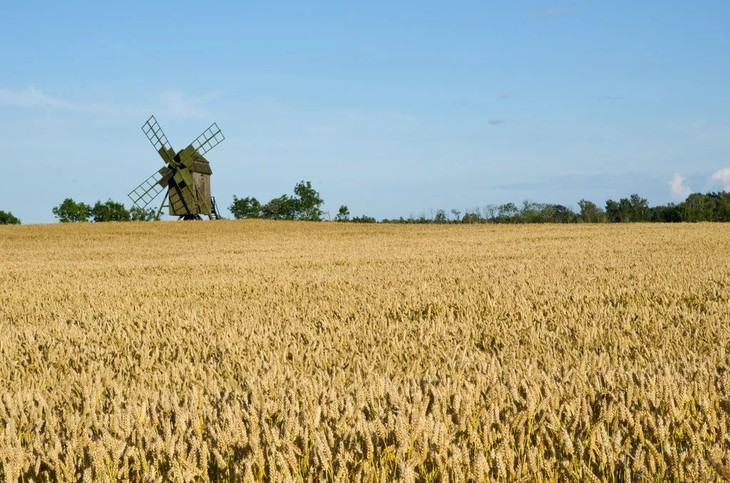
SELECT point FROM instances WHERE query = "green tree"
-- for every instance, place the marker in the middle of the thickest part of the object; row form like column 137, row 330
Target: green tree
column 440, row 217
column 243, row 208
column 558, row 214
column 706, row 207
column 613, row 213
column 590, row 212
column 666, row 214
column 363, row 219
column 472, row 217
column 308, row 202
column 71, row 211
column 7, row 218
column 343, row 214
column 305, row 205
column 282, row 208
column 109, row 211
column 507, row 213
column 143, row 214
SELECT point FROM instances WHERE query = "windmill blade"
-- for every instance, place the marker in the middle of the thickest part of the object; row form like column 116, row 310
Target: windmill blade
column 210, row 138
column 157, row 138
column 188, row 198
column 184, row 178
column 147, row 191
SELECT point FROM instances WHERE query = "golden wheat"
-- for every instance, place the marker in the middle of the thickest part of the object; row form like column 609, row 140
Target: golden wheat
column 305, row 352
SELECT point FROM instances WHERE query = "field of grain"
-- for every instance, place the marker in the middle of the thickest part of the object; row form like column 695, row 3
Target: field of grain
column 306, row 352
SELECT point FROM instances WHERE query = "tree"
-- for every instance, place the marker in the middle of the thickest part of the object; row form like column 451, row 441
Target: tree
column 507, row 213
column 243, row 208
column 343, row 214
column 666, row 214
column 282, row 208
column 531, row 212
column 309, row 202
column 472, row 217
column 143, row 214
column 706, row 207
column 305, row 205
column 109, row 211
column 363, row 219
column 558, row 214
column 7, row 218
column 71, row 211
column 638, row 208
column 613, row 213
column 440, row 216
column 590, row 212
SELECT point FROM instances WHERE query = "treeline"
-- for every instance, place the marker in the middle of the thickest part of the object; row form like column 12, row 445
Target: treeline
column 306, row 205
column 697, row 207
column 70, row 211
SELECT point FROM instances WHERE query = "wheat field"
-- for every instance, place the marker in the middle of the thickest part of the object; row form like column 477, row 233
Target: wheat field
column 292, row 351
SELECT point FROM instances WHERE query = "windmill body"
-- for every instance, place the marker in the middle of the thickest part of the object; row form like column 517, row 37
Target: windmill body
column 185, row 178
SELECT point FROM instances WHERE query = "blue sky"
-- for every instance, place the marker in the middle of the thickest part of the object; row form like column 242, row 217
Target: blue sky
column 393, row 108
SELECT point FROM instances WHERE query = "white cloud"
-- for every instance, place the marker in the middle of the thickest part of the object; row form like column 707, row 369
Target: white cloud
column 32, row 97
column 722, row 176
column 678, row 187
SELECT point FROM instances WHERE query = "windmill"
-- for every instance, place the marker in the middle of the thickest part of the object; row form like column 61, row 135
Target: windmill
column 185, row 178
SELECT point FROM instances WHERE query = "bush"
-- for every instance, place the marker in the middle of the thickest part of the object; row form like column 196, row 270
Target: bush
column 109, row 211
column 143, row 214
column 70, row 211
column 7, row 218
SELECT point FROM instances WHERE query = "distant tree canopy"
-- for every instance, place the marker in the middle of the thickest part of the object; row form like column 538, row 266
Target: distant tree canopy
column 143, row 214
column 305, row 205
column 7, row 218
column 109, row 211
column 70, row 211
column 634, row 209
column 343, row 214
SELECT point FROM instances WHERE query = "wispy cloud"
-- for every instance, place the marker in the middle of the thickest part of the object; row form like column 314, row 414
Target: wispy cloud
column 172, row 103
column 506, row 95
column 497, row 122
column 32, row 97
column 722, row 176
column 462, row 104
column 678, row 187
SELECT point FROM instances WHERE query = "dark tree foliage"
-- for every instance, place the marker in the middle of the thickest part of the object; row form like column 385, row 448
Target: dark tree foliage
column 243, row 208
column 343, row 214
column 284, row 207
column 363, row 219
column 7, row 218
column 109, row 211
column 143, row 214
column 590, row 212
column 70, row 211
column 706, row 207
column 628, row 210
column 304, row 205
column 308, row 202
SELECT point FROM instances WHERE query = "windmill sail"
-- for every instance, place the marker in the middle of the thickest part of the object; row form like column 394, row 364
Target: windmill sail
column 157, row 138
column 185, row 179
column 210, row 138
column 148, row 190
